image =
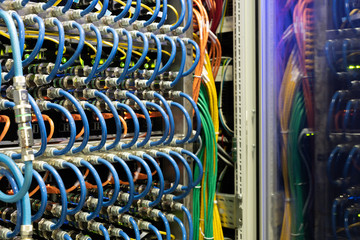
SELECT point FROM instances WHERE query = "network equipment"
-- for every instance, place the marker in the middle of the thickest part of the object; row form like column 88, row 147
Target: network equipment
column 96, row 121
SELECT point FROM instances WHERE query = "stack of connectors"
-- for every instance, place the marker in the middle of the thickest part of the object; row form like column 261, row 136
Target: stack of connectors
column 96, row 119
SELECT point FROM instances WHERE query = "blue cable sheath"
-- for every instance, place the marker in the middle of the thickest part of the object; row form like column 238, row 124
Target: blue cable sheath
column 89, row 8
column 49, row 4
column 124, row 11
column 15, row 189
column 42, row 127
column 144, row 53
column 128, row 56
column 170, row 115
column 182, row 16
column 182, row 63
column 131, row 184
column 188, row 121
column 190, row 222
column 182, row 227
column 333, row 217
column 136, row 125
column 9, row 104
column 197, row 115
column 156, row 231
column 98, row 53
column 172, row 55
column 43, row 201
column 166, row 121
column 100, row 191
column 103, row 9
column 72, row 126
column 154, row 15
column 164, row 14
column 148, row 173
column 330, row 115
column 189, row 175
column 79, row 47
column 176, row 169
column 158, row 60
column 116, row 182
column 136, row 13
column 124, row 235
column 60, row 50
column 135, row 227
column 354, row 152
column 67, row 237
column 329, row 164
column 23, row 2
column 63, row 197
column 347, row 115
column 104, row 232
column 167, row 225
column 161, row 179
column 113, row 50
column 189, row 20
column 84, row 120
column 102, row 124
column 347, row 12
column 81, row 180
column 346, row 224
column 39, row 42
column 147, row 118
column 198, row 162
column 334, row 14
column 67, row 5
column 197, row 58
column 344, row 53
column 116, row 118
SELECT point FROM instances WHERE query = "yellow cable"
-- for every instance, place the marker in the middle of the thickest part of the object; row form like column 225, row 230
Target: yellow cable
column 101, row 6
column 57, row 3
column 124, row 4
column 174, row 10
column 164, row 234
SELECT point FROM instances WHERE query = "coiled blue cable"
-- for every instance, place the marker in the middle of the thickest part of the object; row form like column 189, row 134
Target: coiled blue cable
column 60, row 50
column 96, row 176
column 161, row 179
column 197, row 115
column 164, row 14
column 167, row 225
column 136, row 13
column 333, row 217
column 135, row 227
column 116, row 118
column 188, row 121
column 354, row 154
column 181, row 17
column 182, row 227
column 82, row 185
column 198, row 162
column 84, row 120
column 182, row 63
column 334, row 101
column 43, row 199
column 189, row 175
column 124, row 11
column 347, row 114
column 72, row 127
column 102, row 124
column 124, row 235
column 189, row 20
column 156, row 231
column 335, row 14
column 89, row 8
column 166, row 121
column 149, row 176
column 334, row 153
column 136, row 124
column 172, row 55
column 170, row 115
column 67, row 5
column 104, row 232
column 103, row 9
column 329, row 59
column 62, row 190
column 113, row 50
column 189, row 219
column 346, row 224
column 98, row 52
column 49, row 4
column 154, row 15
column 116, row 182
column 78, row 48
column 176, row 169
column 347, row 12
column 144, row 52
column 158, row 59
column 128, row 56
column 197, row 58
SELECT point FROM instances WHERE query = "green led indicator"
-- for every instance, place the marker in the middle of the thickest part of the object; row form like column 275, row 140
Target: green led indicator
column 146, row 66
column 27, row 56
column 101, row 61
column 132, row 63
column 122, row 64
column 63, row 60
column 153, row 65
column 92, row 62
column 351, row 67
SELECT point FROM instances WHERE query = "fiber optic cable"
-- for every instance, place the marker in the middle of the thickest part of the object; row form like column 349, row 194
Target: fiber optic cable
column 104, row 8
column 128, row 56
column 160, row 176
column 172, row 56
column 155, row 231
column 124, row 11
column 43, row 201
column 182, row 63
column 170, row 116
column 67, row 5
column 182, row 227
column 116, row 182
column 176, row 169
column 189, row 19
column 39, row 41
column 166, row 123
column 197, row 58
column 166, row 223
column 198, row 163
column 164, row 6
column 154, row 15
column 197, row 115
column 113, row 50
column 188, row 121
column 48, row 4
column 97, row 59
column 182, row 16
column 104, row 231
column 158, row 60
column 89, row 8
column 148, row 173
column 144, row 53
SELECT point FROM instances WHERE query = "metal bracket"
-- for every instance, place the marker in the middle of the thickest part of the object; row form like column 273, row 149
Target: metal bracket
column 230, row 210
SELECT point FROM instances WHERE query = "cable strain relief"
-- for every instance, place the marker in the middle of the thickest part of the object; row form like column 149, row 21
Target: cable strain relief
column 49, row 152
column 21, row 166
column 177, row 206
column 170, row 217
column 10, row 153
column 165, row 29
column 68, row 25
column 39, row 165
column 75, row 160
column 49, row 22
column 57, row 163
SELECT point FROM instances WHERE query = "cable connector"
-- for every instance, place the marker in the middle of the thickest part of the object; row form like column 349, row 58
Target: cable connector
column 74, row 160
column 56, row 11
column 143, row 225
column 108, row 20
column 50, row 22
column 86, row 27
column 37, row 8
column 45, row 225
column 179, row 31
column 124, row 155
column 123, row 197
column 152, row 27
column 124, row 22
column 29, row 19
column 165, row 29
column 3, row 103
column 94, row 226
column 49, row 152
column 40, row 79
column 4, row 232
column 39, row 165
column 103, row 29
column 170, row 217
column 92, row 159
column 81, row 216
column 120, row 94
column 68, row 25
column 21, row 166
column 56, row 210
column 113, row 210
column 75, row 14
column 58, row 234
column 57, row 163
column 92, row 17
column 138, row 25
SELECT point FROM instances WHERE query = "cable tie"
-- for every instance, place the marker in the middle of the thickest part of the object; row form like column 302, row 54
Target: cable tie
column 197, row 187
column 284, row 132
column 287, row 199
column 301, row 183
column 197, row 76
column 217, row 133
column 204, row 234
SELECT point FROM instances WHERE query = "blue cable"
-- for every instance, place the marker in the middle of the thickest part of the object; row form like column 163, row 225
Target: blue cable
column 84, row 120
column 353, row 153
column 344, row 53
column 176, row 169
column 116, row 182
column 189, row 20
column 135, row 227
column 113, row 50
column 164, row 15
column 104, row 232
column 167, row 225
column 78, row 49
column 136, row 124
column 328, row 56
column 103, row 9
column 67, row 5
column 102, row 124
column 100, row 191
column 347, row 12
column 98, row 52
column 67, row 237
column 42, row 127
column 188, row 121
column 23, row 3
column 197, row 58
column 334, row 14
column 18, row 203
column 187, row 188
column 189, row 219
column 124, row 235
column 154, row 15
column 43, row 201
column 182, row 63
column 355, row 112
column 144, row 53
column 63, row 197
column 170, row 115
column 72, row 127
column 131, row 184
column 81, row 180
column 124, row 11
column 197, row 115
column 166, row 121
column 9, row 104
column 198, row 162
column 172, row 55
column 60, row 50
column 347, row 114
column 346, row 224
column 156, row 231
column 158, row 59
column 182, row 16
column 149, row 176
column 334, row 153
column 116, row 118
column 128, row 56
column 161, row 179
column 147, row 118
column 330, row 115
column 333, row 217
column 49, row 4
column 182, row 227
column 136, row 13
column 89, row 8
